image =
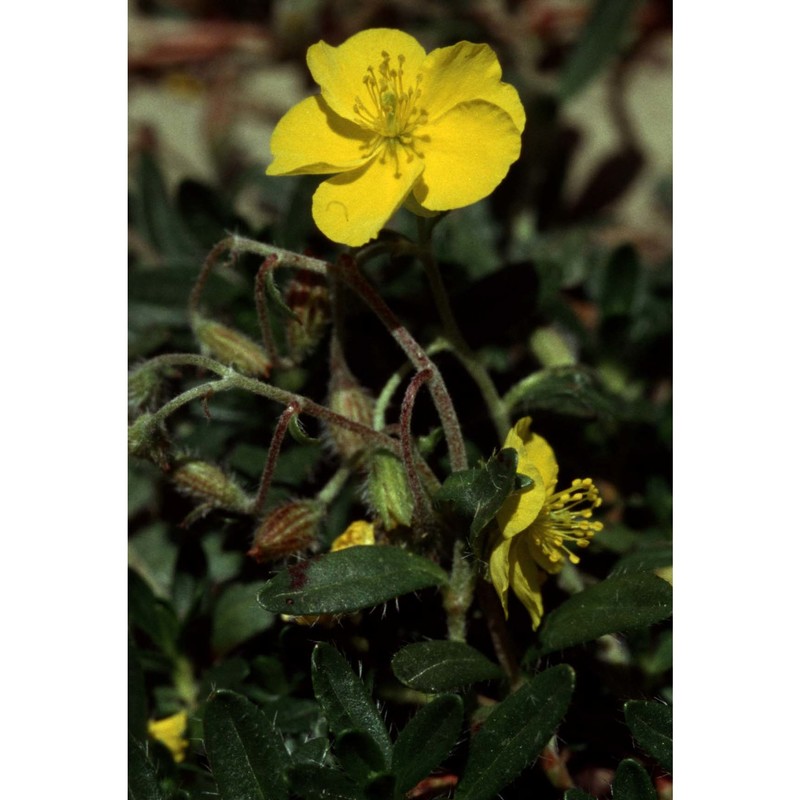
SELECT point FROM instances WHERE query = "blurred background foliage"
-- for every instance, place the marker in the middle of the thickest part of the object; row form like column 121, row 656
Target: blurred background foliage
column 566, row 266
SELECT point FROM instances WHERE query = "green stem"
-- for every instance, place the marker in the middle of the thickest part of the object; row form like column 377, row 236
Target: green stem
column 457, row 596
column 328, row 493
column 518, row 391
column 465, row 354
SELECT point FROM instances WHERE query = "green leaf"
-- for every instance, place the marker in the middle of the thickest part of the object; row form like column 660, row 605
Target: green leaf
column 441, row 665
column 631, row 782
column 620, row 279
column 515, row 733
column 142, row 780
column 651, row 725
column 153, row 555
column 152, row 616
column 137, row 699
column 359, row 755
column 577, row 794
column 477, row 494
column 599, row 40
column 237, row 617
column 158, row 218
column 344, row 698
column 248, row 759
column 315, row 782
column 348, row 580
column 312, row 751
column 427, row 740
column 616, row 604
column 573, row 390
column 644, row 560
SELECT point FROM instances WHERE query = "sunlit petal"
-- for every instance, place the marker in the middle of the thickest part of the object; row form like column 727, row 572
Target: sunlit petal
column 467, row 153
column 526, row 580
column 351, row 208
column 335, row 146
column 464, row 72
column 498, row 570
column 340, row 71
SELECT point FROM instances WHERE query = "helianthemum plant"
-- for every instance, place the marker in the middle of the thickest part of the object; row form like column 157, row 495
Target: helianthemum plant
column 395, row 126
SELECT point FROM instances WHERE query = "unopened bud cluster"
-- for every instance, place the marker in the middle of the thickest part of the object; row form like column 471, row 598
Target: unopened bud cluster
column 388, row 492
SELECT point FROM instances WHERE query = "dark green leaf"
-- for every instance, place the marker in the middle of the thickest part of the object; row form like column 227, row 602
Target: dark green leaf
column 616, row 604
column 441, row 665
column 158, row 219
column 599, row 40
column 315, row 782
column 344, row 698
column 577, row 794
column 631, row 782
column 237, row 617
column 152, row 616
column 142, row 780
column 644, row 560
column 573, row 390
column 248, row 759
column 477, row 494
column 651, row 725
column 312, row 751
column 359, row 755
column 137, row 700
column 292, row 714
column 348, row 580
column 515, row 733
column 380, row 787
column 427, row 740
column 620, row 279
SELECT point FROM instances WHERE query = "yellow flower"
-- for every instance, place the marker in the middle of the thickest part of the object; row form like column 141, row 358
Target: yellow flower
column 535, row 524
column 395, row 125
column 170, row 732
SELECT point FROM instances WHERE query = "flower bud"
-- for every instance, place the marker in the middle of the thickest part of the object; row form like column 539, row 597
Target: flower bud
column 144, row 384
column 308, row 297
column 388, row 491
column 287, row 529
column 209, row 483
column 231, row 347
column 148, row 439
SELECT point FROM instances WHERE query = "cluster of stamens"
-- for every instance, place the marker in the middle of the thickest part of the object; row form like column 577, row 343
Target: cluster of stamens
column 391, row 111
column 566, row 518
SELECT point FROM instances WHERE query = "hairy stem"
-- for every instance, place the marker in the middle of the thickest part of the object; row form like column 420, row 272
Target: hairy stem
column 421, row 509
column 272, row 456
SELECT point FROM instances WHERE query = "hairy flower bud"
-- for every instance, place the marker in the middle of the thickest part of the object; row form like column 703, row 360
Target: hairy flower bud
column 231, row 347
column 147, row 439
column 209, row 483
column 388, row 491
column 287, row 529
column 308, row 297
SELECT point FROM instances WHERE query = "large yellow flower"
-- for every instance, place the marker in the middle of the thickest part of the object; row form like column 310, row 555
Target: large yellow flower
column 535, row 524
column 394, row 125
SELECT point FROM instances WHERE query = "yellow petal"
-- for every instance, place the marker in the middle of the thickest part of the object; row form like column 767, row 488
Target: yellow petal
column 414, row 207
column 536, row 460
column 498, row 569
column 467, row 153
column 170, row 732
column 359, row 532
column 340, row 70
column 526, row 580
column 311, row 139
column 464, row 72
column 351, row 208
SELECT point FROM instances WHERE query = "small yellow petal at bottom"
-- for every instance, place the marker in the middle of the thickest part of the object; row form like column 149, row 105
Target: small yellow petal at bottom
column 352, row 208
column 359, row 532
column 170, row 732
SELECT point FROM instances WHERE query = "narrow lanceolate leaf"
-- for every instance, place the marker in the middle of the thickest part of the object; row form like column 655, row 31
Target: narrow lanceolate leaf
column 344, row 699
column 427, row 740
column 142, row 780
column 349, row 580
column 441, row 665
column 248, row 759
column 651, row 725
column 617, row 604
column 599, row 40
column 515, row 733
column 632, row 782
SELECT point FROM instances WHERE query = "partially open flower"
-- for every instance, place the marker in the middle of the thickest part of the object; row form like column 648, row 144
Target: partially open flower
column 395, row 125
column 536, row 524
